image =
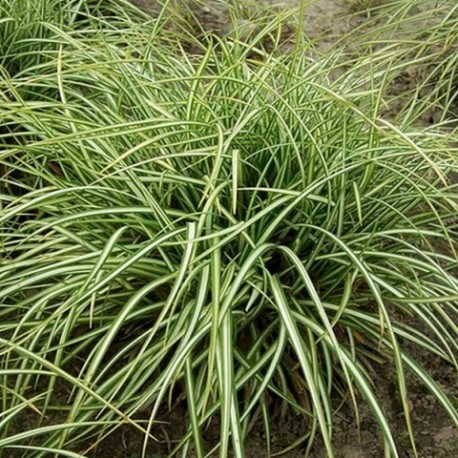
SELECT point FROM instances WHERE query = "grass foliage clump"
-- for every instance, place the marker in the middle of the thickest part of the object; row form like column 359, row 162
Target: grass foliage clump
column 436, row 50
column 419, row 39
column 233, row 231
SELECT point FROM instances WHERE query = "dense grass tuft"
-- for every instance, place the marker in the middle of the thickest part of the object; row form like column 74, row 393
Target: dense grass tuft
column 234, row 227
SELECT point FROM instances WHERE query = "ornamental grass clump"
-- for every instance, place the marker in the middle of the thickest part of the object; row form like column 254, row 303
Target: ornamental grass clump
column 419, row 38
column 436, row 49
column 232, row 231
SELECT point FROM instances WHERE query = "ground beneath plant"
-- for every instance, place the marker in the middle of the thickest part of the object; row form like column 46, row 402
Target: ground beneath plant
column 325, row 21
column 435, row 435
